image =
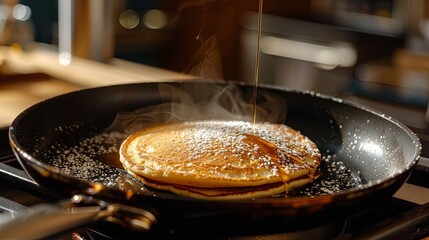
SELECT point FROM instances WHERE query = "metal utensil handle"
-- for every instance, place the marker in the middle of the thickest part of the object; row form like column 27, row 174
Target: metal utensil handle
column 46, row 219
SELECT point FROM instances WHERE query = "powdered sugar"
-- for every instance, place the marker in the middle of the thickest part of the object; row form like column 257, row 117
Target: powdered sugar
column 335, row 178
column 81, row 159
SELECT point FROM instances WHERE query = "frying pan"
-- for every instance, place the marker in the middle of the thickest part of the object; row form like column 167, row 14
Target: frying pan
column 372, row 147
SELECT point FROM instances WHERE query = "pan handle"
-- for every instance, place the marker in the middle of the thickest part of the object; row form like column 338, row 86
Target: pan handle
column 46, row 219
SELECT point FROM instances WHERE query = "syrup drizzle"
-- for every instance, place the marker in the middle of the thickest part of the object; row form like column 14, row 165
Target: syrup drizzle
column 271, row 150
column 258, row 40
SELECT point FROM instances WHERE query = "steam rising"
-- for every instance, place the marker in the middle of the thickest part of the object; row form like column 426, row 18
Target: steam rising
column 201, row 102
column 207, row 62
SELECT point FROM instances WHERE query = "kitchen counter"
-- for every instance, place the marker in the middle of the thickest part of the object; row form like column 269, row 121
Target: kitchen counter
column 18, row 92
column 28, row 77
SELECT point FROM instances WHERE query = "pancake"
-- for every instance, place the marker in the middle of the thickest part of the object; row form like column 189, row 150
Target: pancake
column 233, row 193
column 202, row 159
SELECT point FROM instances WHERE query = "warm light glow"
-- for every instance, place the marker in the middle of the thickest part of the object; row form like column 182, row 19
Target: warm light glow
column 65, row 58
column 21, row 12
column 129, row 19
column 155, row 19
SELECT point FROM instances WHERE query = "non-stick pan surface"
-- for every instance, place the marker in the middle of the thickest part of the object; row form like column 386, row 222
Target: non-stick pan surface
column 370, row 153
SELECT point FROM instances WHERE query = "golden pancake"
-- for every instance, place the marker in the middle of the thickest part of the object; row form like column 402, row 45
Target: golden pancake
column 233, row 193
column 220, row 155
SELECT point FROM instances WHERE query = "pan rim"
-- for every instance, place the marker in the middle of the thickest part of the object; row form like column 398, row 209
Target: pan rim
column 290, row 201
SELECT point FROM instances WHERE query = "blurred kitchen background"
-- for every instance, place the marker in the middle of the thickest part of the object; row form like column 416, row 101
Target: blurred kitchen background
column 373, row 52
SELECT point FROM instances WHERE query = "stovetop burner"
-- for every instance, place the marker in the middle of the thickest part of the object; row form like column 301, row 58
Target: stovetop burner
column 395, row 217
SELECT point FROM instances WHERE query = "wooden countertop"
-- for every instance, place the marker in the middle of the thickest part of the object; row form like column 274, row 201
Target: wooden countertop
column 18, row 92
column 28, row 77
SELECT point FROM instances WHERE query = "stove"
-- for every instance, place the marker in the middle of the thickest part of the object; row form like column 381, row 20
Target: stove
column 404, row 215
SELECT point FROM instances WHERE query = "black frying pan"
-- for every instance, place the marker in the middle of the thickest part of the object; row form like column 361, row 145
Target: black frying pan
column 375, row 151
